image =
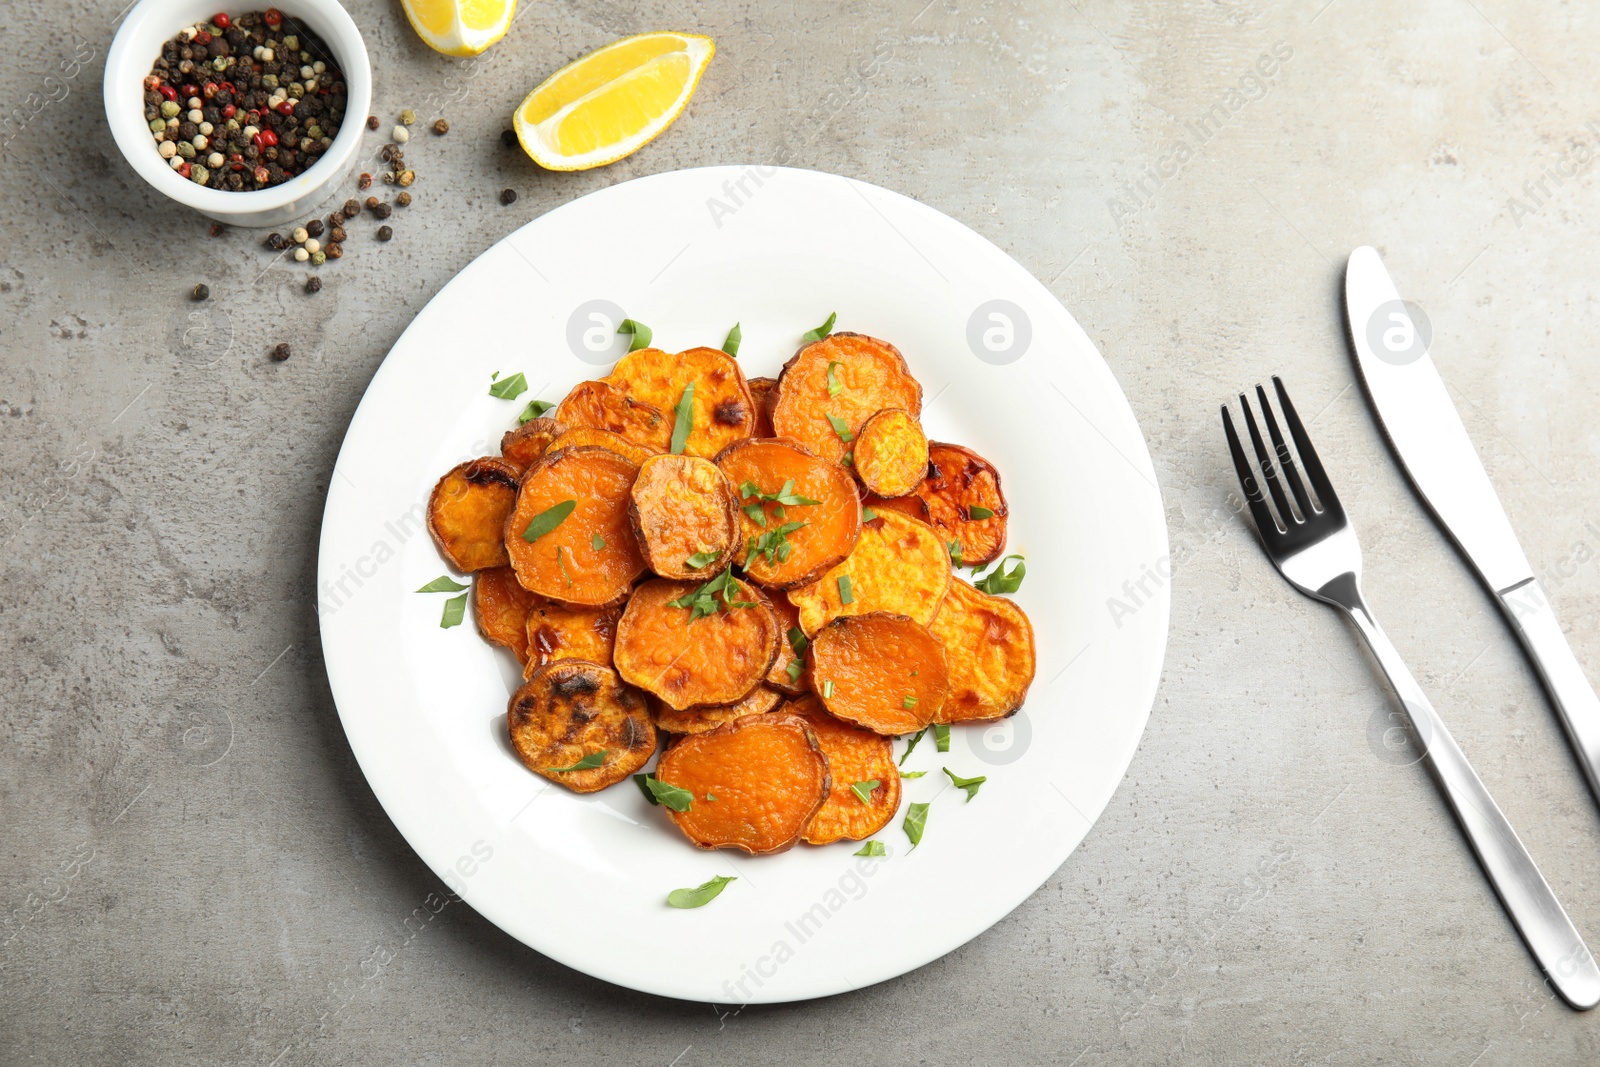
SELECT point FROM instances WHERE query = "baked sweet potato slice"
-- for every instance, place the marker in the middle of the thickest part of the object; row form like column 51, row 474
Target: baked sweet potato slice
column 569, row 712
column 768, row 776
column 912, row 505
column 558, row 631
column 884, row 672
column 958, row 481
column 501, row 606
column 849, row 377
column 765, row 393
column 776, row 550
column 891, row 453
column 686, row 657
column 988, row 647
column 899, row 565
column 603, row 406
column 523, row 446
column 723, row 409
column 788, row 673
column 857, row 759
column 467, row 513
column 685, row 515
column 706, row 717
column 569, row 537
column 588, row 435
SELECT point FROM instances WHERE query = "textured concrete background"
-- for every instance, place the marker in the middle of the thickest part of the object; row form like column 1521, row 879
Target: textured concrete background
column 192, row 868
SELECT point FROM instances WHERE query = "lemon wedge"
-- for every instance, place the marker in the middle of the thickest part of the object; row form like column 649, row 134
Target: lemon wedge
column 460, row 27
column 613, row 101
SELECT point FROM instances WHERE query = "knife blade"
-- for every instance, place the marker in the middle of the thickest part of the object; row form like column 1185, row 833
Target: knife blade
column 1427, row 437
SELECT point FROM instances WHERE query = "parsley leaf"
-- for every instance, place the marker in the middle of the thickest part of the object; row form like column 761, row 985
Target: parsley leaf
column 548, row 520
column 955, row 552
column 683, row 419
column 795, row 669
column 910, row 774
column 841, row 428
column 941, row 736
column 797, row 640
column 455, row 609
column 643, row 782
column 867, row 514
column 731, row 345
column 834, row 386
column 597, row 543
column 774, row 543
column 784, row 496
column 846, row 594
column 442, row 584
column 534, row 409
column 916, row 819
column 699, row 559
column 912, row 744
column 976, row 512
column 971, row 785
column 700, row 895
column 1000, row 581
column 587, row 763
column 670, row 795
column 863, row 790
column 703, row 601
column 821, row 331
column 562, row 563
column 871, row 848
column 509, row 388
column 757, row 513
column 641, row 334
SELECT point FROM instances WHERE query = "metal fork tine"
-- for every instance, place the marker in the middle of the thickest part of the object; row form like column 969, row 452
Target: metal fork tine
column 1247, row 480
column 1308, row 455
column 1291, row 473
column 1268, row 470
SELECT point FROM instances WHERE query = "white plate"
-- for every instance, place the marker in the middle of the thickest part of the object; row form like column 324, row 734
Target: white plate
column 584, row 879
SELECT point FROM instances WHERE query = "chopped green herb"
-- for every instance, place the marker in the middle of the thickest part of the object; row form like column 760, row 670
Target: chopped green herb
column 597, row 543
column 643, row 782
column 700, row 559
column 561, row 561
column 971, row 785
column 908, row 702
column 493, row 376
column 670, row 795
column 774, row 544
column 757, row 513
column 955, row 552
column 711, row 798
column 1000, row 581
column 534, row 409
column 704, row 600
column 841, row 428
column 797, row 640
column 846, row 594
column 916, row 819
column 834, row 388
column 442, row 584
column 785, row 495
column 912, row 774
column 795, row 669
column 976, row 512
column 941, row 736
column 587, row 763
column 548, row 520
column 699, row 896
column 821, row 331
column 509, row 388
column 683, row 419
column 848, row 459
column 827, row 689
column 912, row 744
column 641, row 334
column 863, row 790
column 455, row 609
column 731, row 345
column 871, row 848
column 867, row 514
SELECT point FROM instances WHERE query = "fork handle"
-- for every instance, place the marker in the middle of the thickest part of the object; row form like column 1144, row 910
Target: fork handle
column 1526, row 896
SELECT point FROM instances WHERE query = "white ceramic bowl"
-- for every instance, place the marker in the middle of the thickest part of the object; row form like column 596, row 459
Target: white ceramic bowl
column 151, row 24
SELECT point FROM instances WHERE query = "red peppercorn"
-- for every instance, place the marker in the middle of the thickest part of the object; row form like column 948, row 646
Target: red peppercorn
column 265, row 139
column 272, row 17
column 151, row 83
column 228, row 112
column 203, row 37
column 183, row 171
column 261, row 175
column 221, row 20
column 229, row 86
column 190, row 90
column 208, row 90
column 168, row 91
column 286, row 108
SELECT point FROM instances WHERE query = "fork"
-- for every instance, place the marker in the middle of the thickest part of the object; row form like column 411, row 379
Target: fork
column 1314, row 547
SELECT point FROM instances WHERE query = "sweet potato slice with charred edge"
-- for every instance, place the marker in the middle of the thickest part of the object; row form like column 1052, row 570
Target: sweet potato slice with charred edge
column 782, row 676
column 685, row 515
column 765, row 393
column 768, row 776
column 959, row 480
column 523, row 446
column 870, row 375
column 590, row 557
column 898, row 565
column 603, row 406
column 558, row 631
column 854, row 756
column 714, row 659
column 723, row 409
column 988, row 647
column 891, row 453
column 884, row 672
column 570, row 710
column 467, row 513
column 706, row 717
column 588, row 435
column 912, row 505
column 831, row 525
column 502, row 606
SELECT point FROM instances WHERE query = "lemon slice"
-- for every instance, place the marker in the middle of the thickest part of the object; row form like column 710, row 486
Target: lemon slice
column 460, row 27
column 613, row 101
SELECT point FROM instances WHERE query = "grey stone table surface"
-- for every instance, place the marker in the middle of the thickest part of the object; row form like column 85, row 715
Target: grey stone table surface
column 194, row 870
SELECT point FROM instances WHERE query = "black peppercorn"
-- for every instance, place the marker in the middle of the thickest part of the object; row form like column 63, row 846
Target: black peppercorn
column 385, row 232
column 372, row 122
column 404, row 199
column 508, row 196
column 314, row 228
column 313, row 284
column 352, row 208
column 280, row 353
column 201, row 291
column 383, row 211
column 509, row 138
column 276, row 242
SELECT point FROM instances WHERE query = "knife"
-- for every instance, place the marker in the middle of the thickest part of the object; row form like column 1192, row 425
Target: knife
column 1427, row 437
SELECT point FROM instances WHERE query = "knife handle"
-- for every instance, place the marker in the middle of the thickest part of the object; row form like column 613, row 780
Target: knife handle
column 1534, row 619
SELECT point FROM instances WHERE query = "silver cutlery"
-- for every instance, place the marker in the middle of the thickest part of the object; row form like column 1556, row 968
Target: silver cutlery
column 1427, row 437
column 1314, row 547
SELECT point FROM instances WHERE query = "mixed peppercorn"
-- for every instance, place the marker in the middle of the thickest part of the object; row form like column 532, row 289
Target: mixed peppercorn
column 246, row 102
